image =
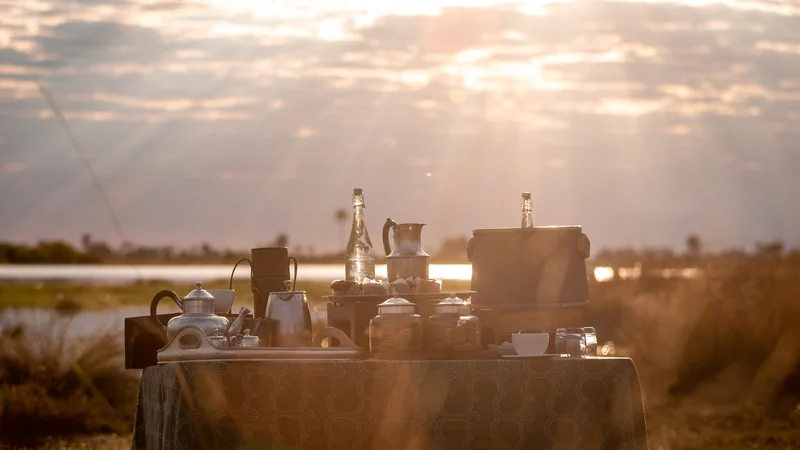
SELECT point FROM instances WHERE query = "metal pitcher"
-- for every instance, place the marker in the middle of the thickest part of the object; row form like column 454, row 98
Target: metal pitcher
column 289, row 317
column 407, row 258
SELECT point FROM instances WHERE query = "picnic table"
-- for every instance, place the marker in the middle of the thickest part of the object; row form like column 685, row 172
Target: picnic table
column 538, row 403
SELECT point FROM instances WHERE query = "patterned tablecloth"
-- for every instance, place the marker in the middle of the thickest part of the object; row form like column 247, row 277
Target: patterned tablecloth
column 543, row 403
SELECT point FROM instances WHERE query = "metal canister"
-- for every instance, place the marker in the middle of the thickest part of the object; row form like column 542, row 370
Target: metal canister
column 396, row 328
column 248, row 340
column 217, row 339
column 453, row 327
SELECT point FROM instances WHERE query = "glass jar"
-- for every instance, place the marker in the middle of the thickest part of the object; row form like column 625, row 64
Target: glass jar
column 396, row 328
column 453, row 327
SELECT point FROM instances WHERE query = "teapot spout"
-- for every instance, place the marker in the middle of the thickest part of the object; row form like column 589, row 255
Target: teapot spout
column 238, row 323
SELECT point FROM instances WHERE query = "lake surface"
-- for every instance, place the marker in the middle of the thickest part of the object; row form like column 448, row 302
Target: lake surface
column 88, row 322
column 192, row 273
column 214, row 272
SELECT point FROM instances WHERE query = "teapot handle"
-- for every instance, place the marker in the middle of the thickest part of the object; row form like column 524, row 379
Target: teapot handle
column 389, row 224
column 157, row 298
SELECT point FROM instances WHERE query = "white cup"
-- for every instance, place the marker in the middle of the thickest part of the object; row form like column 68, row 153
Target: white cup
column 223, row 300
column 530, row 344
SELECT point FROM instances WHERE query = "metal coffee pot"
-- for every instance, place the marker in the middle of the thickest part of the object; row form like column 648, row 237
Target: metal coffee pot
column 198, row 310
column 289, row 318
column 407, row 258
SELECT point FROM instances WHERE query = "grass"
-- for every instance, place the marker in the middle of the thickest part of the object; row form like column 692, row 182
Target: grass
column 718, row 359
column 72, row 297
column 52, row 385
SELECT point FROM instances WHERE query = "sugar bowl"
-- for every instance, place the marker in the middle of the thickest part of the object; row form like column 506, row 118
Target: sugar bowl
column 396, row 329
column 453, row 327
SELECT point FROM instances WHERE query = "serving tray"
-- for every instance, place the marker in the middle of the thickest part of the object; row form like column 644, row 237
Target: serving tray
column 191, row 344
column 413, row 298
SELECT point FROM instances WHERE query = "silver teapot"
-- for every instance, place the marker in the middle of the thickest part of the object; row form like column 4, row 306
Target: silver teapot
column 198, row 310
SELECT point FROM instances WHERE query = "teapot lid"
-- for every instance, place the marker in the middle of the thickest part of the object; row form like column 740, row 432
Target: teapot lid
column 452, row 305
column 396, row 305
column 199, row 293
column 248, row 336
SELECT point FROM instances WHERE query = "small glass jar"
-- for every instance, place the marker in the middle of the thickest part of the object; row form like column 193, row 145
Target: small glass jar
column 453, row 327
column 396, row 328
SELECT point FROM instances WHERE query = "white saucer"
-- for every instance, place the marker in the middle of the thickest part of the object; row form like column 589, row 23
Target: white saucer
column 546, row 355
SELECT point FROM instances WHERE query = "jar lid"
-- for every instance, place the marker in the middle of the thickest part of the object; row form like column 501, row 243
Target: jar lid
column 249, row 336
column 452, row 305
column 198, row 293
column 396, row 305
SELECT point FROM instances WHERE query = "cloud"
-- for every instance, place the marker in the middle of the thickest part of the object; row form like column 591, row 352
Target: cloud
column 77, row 42
column 14, row 167
column 587, row 98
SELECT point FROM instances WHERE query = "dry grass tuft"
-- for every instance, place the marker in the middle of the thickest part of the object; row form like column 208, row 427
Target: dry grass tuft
column 54, row 385
column 719, row 358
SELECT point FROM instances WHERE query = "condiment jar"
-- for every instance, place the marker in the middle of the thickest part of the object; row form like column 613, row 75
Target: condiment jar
column 217, row 339
column 248, row 340
column 453, row 327
column 396, row 328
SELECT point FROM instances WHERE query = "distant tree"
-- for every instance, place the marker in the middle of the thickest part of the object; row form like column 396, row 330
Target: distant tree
column 86, row 241
column 97, row 251
column 207, row 251
column 281, row 240
column 769, row 249
column 694, row 246
column 56, row 252
column 341, row 218
column 453, row 249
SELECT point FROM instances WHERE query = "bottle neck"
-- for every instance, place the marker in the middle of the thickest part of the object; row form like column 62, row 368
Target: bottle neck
column 527, row 212
column 358, row 218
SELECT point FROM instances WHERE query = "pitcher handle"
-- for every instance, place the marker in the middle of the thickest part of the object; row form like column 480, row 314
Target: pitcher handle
column 157, row 298
column 389, row 224
column 294, row 279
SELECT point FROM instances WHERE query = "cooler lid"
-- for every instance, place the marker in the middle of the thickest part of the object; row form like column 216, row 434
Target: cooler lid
column 547, row 228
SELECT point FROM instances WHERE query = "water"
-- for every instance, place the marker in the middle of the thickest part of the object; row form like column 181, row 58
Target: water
column 92, row 321
column 306, row 272
column 192, row 273
column 113, row 319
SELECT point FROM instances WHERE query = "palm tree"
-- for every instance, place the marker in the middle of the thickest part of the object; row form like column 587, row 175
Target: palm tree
column 341, row 218
column 694, row 246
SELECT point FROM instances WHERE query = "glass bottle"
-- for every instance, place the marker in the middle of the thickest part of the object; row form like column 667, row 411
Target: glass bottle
column 360, row 256
column 527, row 210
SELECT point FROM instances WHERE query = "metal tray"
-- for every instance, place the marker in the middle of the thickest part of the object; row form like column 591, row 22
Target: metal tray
column 191, row 344
column 413, row 298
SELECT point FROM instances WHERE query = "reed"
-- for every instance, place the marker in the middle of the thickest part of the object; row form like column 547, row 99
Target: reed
column 55, row 385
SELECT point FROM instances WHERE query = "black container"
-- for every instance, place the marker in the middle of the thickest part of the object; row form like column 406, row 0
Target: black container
column 270, row 269
column 539, row 266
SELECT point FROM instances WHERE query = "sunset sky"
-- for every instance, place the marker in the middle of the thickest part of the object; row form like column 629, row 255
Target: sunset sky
column 230, row 121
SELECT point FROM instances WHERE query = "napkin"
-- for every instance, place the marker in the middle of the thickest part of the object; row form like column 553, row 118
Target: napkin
column 506, row 348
